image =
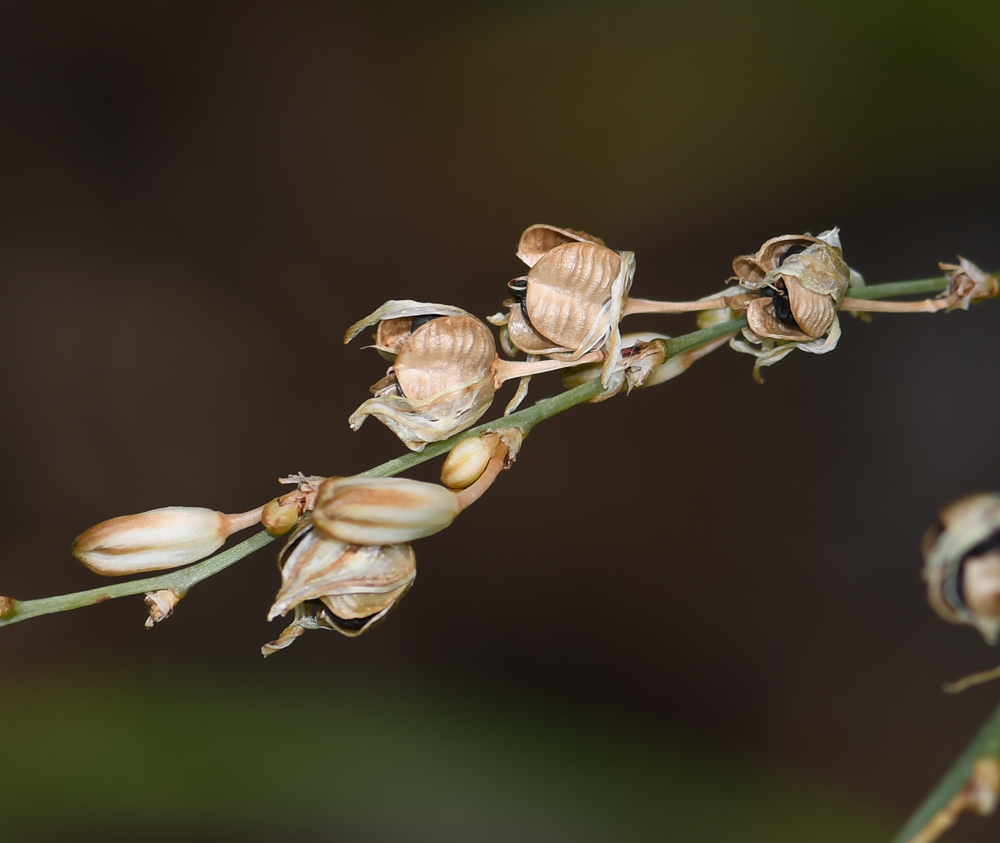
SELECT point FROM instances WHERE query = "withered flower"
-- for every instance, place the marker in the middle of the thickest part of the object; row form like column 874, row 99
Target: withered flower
column 444, row 373
column 158, row 539
column 161, row 605
column 962, row 564
column 571, row 300
column 969, row 284
column 357, row 585
column 797, row 283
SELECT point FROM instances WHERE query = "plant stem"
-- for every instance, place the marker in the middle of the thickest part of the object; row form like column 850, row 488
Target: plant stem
column 14, row 611
column 985, row 744
column 180, row 581
column 900, row 288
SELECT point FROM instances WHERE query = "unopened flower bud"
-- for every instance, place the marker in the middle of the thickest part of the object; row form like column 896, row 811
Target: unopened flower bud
column 161, row 605
column 5, row 605
column 278, row 518
column 382, row 510
column 962, row 564
column 158, row 539
column 467, row 461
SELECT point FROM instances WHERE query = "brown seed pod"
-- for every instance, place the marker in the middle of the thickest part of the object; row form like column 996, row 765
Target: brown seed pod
column 802, row 280
column 798, row 283
column 962, row 564
column 443, row 376
column 570, row 302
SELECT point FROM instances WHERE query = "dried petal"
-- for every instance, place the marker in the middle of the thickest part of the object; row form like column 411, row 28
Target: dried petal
column 352, row 581
column 400, row 309
column 357, row 586
column 161, row 605
column 968, row 284
column 382, row 510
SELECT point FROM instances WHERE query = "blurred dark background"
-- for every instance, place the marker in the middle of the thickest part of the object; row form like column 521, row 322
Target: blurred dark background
column 692, row 614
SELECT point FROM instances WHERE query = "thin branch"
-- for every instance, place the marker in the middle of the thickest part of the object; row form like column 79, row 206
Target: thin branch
column 13, row 611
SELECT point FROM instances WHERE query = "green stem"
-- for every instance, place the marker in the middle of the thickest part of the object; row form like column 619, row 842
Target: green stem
column 180, row 581
column 13, row 611
column 900, row 288
column 985, row 744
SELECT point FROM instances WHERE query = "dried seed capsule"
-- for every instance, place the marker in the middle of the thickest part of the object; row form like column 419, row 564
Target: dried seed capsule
column 962, row 564
column 799, row 281
column 467, row 461
column 443, row 376
column 357, row 585
column 382, row 510
column 571, row 301
column 158, row 539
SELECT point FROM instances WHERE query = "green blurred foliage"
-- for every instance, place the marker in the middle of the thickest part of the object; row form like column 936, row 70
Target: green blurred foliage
column 92, row 755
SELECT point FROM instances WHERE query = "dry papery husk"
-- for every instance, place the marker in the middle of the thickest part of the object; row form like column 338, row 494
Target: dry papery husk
column 961, row 527
column 443, row 376
column 815, row 280
column 352, row 582
column 576, row 290
column 968, row 284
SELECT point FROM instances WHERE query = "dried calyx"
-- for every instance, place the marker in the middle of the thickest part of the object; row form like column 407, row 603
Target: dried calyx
column 962, row 564
column 444, row 373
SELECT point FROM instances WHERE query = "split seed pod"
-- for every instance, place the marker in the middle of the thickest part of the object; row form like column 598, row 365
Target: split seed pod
column 571, row 300
column 382, row 510
column 357, row 585
column 800, row 281
column 443, row 375
column 158, row 539
column 962, row 564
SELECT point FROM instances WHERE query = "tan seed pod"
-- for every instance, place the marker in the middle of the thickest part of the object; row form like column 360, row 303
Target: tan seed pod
column 962, row 564
column 444, row 373
column 800, row 281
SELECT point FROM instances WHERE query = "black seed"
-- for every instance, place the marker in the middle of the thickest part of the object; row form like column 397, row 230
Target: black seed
column 350, row 624
column 791, row 250
column 782, row 307
column 422, row 320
